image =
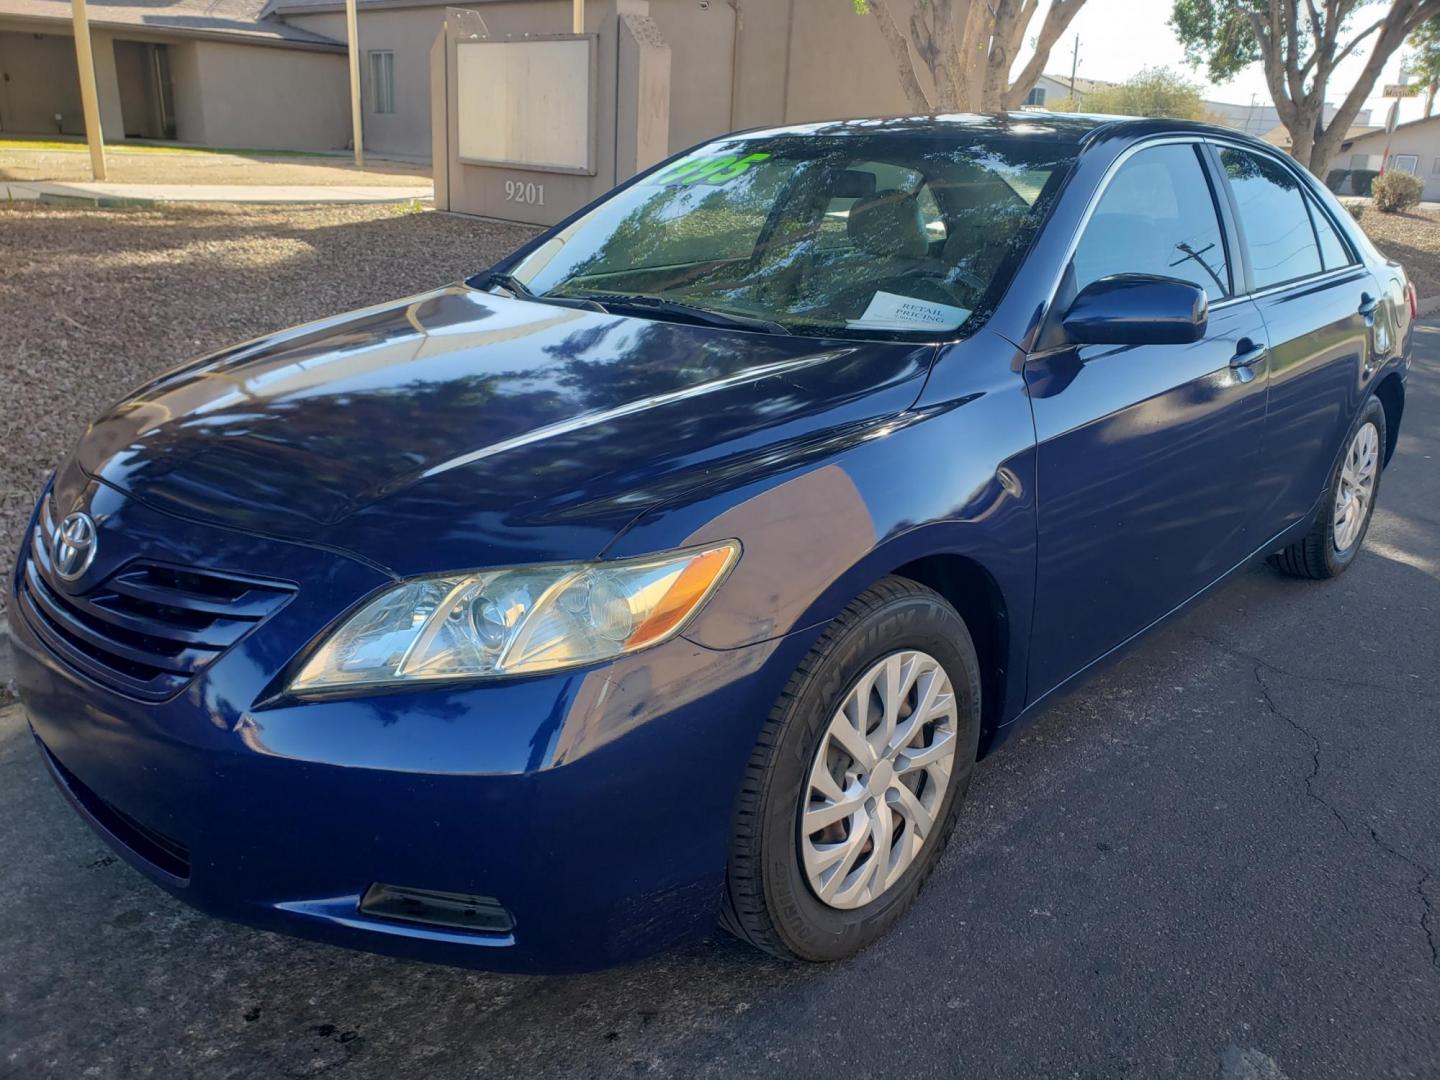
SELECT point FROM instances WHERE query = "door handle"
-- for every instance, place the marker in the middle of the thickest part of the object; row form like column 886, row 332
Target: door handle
column 1368, row 305
column 1248, row 354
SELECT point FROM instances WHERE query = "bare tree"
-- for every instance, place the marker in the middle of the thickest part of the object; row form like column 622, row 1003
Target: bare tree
column 1300, row 44
column 967, row 47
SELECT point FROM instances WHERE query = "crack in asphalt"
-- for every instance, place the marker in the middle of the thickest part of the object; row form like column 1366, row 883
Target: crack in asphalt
column 1314, row 751
column 1427, row 918
column 1427, row 915
column 1329, row 680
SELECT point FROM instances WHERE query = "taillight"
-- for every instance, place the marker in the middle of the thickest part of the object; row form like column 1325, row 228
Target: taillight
column 1413, row 300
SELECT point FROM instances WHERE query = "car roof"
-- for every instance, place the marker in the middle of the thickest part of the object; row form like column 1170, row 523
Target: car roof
column 1075, row 129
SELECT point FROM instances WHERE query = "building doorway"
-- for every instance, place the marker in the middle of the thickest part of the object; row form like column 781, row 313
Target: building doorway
column 147, row 97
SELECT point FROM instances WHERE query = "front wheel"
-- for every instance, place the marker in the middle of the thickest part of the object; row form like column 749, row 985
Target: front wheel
column 1344, row 518
column 852, row 791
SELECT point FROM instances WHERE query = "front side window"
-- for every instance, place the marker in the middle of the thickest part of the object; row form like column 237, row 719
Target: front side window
column 1273, row 216
column 869, row 234
column 382, row 81
column 1156, row 216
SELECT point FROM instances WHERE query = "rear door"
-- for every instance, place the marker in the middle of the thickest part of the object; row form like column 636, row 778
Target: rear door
column 1318, row 301
column 1147, row 454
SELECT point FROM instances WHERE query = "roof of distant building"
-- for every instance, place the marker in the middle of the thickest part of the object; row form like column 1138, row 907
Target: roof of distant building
column 235, row 20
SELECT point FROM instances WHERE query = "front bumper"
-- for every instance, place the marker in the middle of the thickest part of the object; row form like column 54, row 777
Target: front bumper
column 595, row 805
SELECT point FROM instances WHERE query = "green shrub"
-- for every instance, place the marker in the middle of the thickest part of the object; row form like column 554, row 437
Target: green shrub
column 1361, row 181
column 1335, row 179
column 1396, row 190
column 1356, row 209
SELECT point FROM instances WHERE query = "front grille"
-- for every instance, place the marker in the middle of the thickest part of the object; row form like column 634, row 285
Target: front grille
column 164, row 852
column 149, row 628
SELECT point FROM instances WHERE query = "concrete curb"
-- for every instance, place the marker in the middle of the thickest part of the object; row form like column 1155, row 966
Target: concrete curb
column 1428, row 306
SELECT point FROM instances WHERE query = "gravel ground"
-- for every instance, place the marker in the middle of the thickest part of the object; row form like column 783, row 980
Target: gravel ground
column 93, row 303
column 1414, row 239
column 158, row 167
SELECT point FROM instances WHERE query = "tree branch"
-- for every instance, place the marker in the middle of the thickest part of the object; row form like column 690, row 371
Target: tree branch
column 1057, row 21
column 900, row 53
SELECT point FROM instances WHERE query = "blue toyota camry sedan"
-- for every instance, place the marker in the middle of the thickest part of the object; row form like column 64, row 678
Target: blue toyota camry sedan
column 677, row 570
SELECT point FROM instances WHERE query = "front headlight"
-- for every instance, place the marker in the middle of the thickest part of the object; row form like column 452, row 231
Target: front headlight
column 516, row 622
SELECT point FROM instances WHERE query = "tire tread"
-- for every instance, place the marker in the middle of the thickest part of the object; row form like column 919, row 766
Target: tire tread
column 743, row 910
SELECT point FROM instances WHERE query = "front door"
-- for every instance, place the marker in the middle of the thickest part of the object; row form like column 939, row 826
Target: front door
column 1146, row 454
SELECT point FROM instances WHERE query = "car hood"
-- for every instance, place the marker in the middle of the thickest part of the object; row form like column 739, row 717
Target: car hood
column 463, row 428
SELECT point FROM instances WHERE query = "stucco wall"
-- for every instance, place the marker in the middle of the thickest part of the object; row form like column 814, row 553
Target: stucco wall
column 253, row 96
column 408, row 33
column 39, row 79
column 780, row 61
column 702, row 59
column 189, row 98
column 1422, row 140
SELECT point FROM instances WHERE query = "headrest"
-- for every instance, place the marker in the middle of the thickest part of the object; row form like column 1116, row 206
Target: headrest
column 888, row 223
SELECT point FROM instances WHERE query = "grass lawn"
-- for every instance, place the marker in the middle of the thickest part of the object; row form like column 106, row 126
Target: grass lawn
column 67, row 160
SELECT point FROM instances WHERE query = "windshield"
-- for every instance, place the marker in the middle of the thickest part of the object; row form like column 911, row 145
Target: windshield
column 880, row 234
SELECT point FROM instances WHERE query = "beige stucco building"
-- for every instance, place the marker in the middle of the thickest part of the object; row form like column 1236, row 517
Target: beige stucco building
column 1413, row 148
column 209, row 72
column 254, row 73
column 271, row 73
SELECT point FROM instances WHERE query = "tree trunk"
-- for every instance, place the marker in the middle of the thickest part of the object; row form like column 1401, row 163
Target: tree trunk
column 1430, row 98
column 1057, row 20
column 968, row 47
column 1404, row 16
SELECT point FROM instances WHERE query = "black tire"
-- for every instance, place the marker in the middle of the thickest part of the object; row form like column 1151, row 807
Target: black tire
column 768, row 900
column 1314, row 556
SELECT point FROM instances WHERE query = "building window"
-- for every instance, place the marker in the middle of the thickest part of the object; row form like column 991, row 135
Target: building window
column 1036, row 98
column 1405, row 163
column 382, row 81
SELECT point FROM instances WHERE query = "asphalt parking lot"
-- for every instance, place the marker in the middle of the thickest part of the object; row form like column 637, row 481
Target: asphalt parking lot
column 1220, row 859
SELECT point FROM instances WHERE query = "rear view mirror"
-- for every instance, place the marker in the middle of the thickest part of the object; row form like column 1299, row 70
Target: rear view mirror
column 1138, row 309
column 853, row 184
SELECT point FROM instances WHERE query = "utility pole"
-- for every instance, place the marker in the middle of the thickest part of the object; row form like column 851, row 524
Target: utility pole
column 1074, row 64
column 89, row 96
column 352, row 33
column 577, row 16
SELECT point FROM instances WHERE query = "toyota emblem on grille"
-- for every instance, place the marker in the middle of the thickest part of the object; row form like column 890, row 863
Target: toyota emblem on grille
column 73, row 546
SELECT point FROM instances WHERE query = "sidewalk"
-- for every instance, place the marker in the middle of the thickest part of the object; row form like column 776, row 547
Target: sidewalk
column 106, row 194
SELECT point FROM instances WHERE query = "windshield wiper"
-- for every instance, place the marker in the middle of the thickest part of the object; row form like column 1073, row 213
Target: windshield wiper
column 662, row 306
column 517, row 288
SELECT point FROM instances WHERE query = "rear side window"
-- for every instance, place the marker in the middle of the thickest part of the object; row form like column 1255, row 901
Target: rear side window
column 1156, row 216
column 1333, row 251
column 1274, row 218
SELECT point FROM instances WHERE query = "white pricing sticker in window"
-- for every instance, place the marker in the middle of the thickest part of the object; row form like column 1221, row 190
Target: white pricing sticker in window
column 889, row 311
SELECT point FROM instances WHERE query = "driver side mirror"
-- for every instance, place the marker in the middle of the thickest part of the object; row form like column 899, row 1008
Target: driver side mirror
column 1138, row 309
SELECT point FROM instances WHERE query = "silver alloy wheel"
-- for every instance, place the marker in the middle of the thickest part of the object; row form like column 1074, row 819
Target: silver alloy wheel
column 878, row 779
column 1357, row 486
